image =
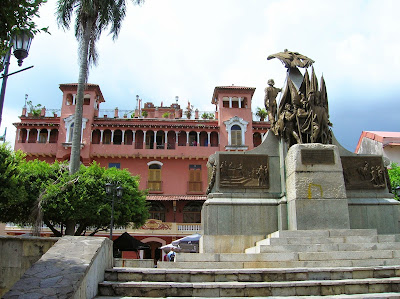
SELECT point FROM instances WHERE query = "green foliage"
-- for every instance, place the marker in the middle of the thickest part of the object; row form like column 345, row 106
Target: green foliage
column 144, row 113
column 261, row 113
column 31, row 186
column 16, row 16
column 35, row 110
column 207, row 115
column 81, row 198
column 394, row 175
column 166, row 115
column 12, row 196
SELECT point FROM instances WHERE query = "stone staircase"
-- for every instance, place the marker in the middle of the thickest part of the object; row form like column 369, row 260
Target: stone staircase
column 355, row 263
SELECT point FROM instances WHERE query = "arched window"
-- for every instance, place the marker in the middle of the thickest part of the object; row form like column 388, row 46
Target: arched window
column 157, row 211
column 192, row 212
column 236, row 135
column 71, row 132
column 154, row 182
column 236, row 128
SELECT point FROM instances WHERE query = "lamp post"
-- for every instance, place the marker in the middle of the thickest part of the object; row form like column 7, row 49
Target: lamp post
column 114, row 190
column 21, row 44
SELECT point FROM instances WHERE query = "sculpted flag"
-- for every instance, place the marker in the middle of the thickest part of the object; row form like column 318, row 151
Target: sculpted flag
column 303, row 115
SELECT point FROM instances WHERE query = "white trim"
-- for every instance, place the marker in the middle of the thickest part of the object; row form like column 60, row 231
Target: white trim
column 236, row 121
column 155, row 162
column 69, row 121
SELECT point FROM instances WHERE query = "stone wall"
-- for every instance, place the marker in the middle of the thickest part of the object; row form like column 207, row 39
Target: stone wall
column 17, row 254
column 72, row 268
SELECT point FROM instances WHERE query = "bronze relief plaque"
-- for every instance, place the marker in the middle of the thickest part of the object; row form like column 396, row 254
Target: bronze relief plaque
column 363, row 172
column 310, row 157
column 243, row 171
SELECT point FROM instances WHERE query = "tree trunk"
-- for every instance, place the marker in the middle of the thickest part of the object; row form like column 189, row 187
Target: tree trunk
column 83, row 71
column 70, row 228
column 52, row 228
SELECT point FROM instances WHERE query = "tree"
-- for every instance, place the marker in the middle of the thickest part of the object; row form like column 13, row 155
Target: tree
column 92, row 17
column 261, row 113
column 16, row 15
column 12, row 196
column 35, row 191
column 80, row 201
column 394, row 175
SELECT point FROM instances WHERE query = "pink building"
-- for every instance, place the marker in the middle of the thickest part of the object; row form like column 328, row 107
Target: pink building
column 167, row 149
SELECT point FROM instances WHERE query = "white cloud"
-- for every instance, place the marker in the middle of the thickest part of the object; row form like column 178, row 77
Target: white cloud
column 186, row 48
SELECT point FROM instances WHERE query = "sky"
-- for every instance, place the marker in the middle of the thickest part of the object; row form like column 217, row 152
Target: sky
column 186, row 48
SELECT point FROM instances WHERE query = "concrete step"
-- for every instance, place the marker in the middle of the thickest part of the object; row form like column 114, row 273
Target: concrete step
column 323, row 247
column 248, row 275
column 323, row 233
column 250, row 289
column 279, row 264
column 317, row 240
column 288, row 256
column 364, row 296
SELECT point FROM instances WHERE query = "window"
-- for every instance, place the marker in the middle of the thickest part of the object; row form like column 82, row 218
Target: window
column 43, row 136
column 154, row 179
column 116, row 165
column 157, row 211
column 195, row 183
column 71, row 132
column 192, row 212
column 236, row 135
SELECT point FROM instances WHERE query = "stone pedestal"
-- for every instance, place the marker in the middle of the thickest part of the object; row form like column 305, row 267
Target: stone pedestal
column 316, row 193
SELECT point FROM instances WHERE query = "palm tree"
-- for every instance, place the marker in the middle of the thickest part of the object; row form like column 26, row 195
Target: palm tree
column 91, row 18
column 261, row 113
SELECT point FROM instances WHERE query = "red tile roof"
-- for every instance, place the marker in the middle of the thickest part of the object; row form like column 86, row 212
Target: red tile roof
column 176, row 197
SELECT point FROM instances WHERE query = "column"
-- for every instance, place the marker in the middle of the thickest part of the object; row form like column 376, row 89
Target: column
column 112, row 136
column 166, row 139
column 187, row 138
column 144, row 139
column 198, row 138
column 123, row 137
column 176, row 137
column 48, row 135
column 209, row 138
column 155, row 139
column 101, row 136
column 240, row 102
column 38, row 135
column 134, row 138
column 27, row 134
column 230, row 102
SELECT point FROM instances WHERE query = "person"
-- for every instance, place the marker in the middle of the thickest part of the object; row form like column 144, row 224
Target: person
column 171, row 255
column 271, row 93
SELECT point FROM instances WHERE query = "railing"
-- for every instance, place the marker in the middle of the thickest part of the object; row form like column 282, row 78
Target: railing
column 168, row 228
column 129, row 114
column 189, row 227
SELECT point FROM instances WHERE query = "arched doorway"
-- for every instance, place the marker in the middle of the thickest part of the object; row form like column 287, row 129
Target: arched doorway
column 154, row 252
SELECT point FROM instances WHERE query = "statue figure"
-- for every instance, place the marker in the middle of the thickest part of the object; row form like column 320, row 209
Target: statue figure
column 271, row 93
column 292, row 59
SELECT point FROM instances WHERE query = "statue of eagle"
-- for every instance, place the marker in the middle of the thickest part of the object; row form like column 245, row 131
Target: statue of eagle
column 292, row 59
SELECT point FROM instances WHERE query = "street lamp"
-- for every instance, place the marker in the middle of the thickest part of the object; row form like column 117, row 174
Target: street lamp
column 21, row 44
column 114, row 190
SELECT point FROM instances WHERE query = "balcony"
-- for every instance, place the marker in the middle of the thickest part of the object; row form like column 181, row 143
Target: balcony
column 151, row 227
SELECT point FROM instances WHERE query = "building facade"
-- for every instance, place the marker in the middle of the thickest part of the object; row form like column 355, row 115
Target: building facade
column 167, row 146
column 386, row 144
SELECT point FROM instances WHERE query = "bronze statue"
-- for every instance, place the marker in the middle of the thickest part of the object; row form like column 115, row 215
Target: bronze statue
column 303, row 114
column 292, row 59
column 271, row 93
